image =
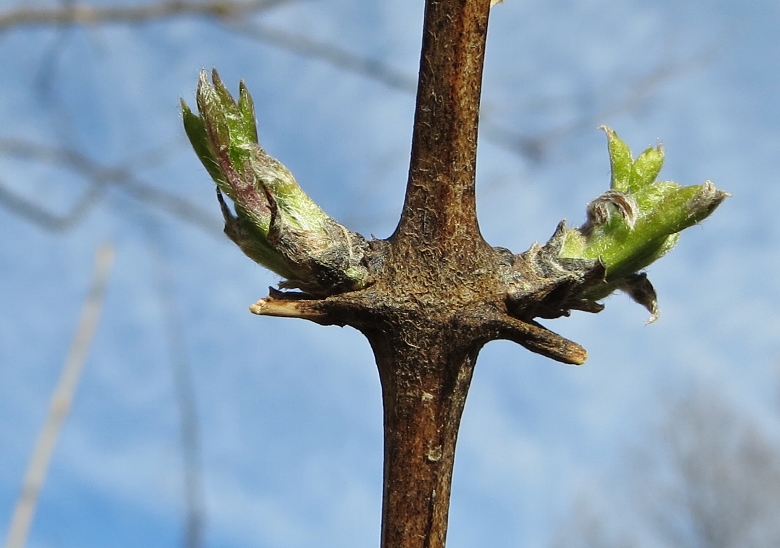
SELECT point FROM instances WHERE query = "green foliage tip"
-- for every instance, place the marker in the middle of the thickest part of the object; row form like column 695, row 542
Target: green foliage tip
column 637, row 221
column 275, row 222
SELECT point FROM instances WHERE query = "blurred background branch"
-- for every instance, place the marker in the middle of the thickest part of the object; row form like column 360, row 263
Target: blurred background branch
column 61, row 401
column 707, row 476
column 77, row 13
column 98, row 176
column 184, row 384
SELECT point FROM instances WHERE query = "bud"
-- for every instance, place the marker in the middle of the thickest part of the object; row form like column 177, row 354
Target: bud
column 636, row 222
column 275, row 223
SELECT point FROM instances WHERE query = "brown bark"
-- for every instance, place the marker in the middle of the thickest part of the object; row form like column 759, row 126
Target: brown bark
column 426, row 371
column 424, row 390
column 440, row 206
column 439, row 292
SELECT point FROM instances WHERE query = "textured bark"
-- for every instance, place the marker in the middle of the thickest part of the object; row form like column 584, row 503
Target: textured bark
column 424, row 389
column 440, row 207
column 426, row 371
column 438, row 291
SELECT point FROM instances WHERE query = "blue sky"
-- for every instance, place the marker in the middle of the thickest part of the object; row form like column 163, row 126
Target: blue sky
column 290, row 412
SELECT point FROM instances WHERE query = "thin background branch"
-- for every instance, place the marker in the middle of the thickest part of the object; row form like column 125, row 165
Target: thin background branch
column 61, row 401
column 84, row 14
column 99, row 176
column 185, row 388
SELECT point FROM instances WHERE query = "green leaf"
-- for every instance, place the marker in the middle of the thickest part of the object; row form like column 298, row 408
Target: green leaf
column 275, row 222
column 246, row 108
column 620, row 160
column 196, row 133
column 636, row 222
column 645, row 169
column 213, row 115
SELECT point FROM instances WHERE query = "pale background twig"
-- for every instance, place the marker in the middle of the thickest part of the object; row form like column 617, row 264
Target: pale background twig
column 60, row 401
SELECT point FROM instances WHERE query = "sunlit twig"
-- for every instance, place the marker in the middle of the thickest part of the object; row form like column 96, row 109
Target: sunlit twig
column 60, row 402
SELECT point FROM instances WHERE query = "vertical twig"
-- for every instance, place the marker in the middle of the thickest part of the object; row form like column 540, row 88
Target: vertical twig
column 61, row 401
column 440, row 205
column 185, row 396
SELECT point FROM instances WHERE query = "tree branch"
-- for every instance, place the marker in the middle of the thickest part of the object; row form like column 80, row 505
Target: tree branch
column 100, row 176
column 48, row 220
column 282, row 305
column 440, row 205
column 83, row 14
column 61, row 400
column 435, row 292
column 327, row 52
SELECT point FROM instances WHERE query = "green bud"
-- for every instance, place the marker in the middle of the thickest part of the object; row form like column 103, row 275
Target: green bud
column 636, row 222
column 275, row 222
column 196, row 131
column 620, row 160
column 645, row 169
